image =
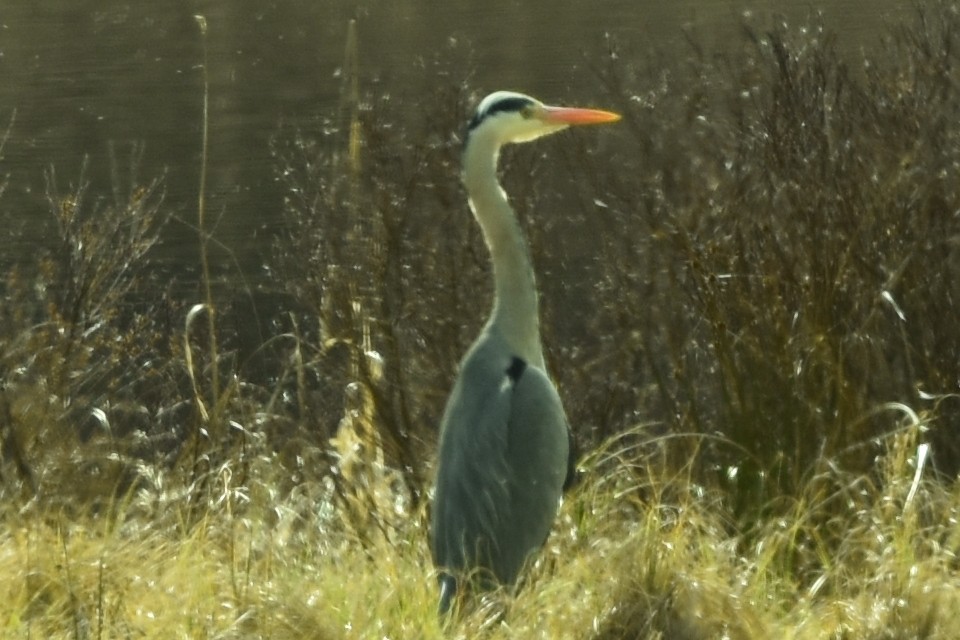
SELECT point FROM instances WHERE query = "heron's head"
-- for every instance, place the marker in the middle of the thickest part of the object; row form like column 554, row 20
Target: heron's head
column 508, row 117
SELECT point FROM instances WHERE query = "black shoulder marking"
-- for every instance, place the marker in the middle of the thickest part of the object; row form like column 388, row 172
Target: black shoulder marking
column 516, row 368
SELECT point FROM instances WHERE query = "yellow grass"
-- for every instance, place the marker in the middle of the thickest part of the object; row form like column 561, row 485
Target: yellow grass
column 635, row 554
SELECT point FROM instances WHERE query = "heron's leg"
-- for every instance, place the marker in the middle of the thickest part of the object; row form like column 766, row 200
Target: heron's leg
column 448, row 589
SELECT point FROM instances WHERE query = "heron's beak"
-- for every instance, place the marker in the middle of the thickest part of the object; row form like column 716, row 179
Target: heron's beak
column 572, row 115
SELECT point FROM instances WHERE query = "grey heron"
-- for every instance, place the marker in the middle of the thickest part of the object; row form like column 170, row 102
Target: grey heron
column 505, row 451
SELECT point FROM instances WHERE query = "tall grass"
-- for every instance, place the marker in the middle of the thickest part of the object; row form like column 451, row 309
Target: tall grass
column 638, row 552
column 755, row 343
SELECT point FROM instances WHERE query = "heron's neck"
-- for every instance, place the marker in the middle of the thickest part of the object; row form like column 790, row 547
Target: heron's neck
column 515, row 309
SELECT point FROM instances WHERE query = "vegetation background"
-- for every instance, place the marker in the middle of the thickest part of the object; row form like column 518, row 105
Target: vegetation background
column 751, row 319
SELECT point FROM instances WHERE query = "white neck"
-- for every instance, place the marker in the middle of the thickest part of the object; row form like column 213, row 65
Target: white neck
column 515, row 309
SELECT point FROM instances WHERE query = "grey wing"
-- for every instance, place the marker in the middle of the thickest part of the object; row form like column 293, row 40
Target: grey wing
column 503, row 459
column 472, row 477
column 537, row 452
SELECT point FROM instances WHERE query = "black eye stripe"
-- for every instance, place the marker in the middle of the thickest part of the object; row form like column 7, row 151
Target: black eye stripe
column 508, row 104
column 500, row 106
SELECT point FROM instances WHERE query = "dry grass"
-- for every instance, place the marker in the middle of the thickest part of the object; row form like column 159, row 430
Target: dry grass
column 769, row 287
column 638, row 553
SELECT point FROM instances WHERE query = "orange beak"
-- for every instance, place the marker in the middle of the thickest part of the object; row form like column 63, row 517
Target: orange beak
column 572, row 115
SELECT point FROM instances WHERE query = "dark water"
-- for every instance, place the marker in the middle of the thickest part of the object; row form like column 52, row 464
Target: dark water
column 94, row 79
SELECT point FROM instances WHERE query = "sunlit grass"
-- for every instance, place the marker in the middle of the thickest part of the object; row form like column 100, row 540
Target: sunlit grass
column 637, row 553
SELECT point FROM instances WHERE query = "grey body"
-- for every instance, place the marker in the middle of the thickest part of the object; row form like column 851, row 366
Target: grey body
column 504, row 453
column 504, row 440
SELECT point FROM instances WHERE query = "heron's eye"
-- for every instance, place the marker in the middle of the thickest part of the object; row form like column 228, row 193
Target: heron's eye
column 527, row 112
